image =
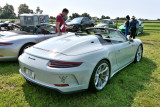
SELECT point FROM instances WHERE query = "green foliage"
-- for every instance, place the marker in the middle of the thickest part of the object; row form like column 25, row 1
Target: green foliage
column 38, row 10
column 105, row 17
column 74, row 15
column 120, row 18
column 51, row 17
column 7, row 12
column 23, row 8
column 86, row 15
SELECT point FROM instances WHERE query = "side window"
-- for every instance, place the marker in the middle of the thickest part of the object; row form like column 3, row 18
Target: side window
column 83, row 20
column 30, row 20
column 52, row 29
column 116, row 37
column 110, row 22
column 46, row 30
column 87, row 19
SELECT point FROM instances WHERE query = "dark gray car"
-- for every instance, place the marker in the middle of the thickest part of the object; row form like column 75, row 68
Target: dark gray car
column 80, row 23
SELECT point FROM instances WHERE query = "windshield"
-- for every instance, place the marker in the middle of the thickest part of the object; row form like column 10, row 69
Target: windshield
column 77, row 20
column 108, row 34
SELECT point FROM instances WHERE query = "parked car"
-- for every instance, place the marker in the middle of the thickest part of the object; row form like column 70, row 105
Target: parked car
column 87, row 60
column 141, row 27
column 80, row 23
column 109, row 23
column 7, row 25
column 13, row 43
column 4, row 27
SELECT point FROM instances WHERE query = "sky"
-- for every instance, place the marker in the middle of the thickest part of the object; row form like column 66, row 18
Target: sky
column 147, row 9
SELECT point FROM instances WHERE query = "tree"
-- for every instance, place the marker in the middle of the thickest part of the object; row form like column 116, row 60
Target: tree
column 117, row 18
column 105, row 17
column 0, row 11
column 7, row 12
column 38, row 10
column 41, row 11
column 74, row 15
column 23, row 8
column 51, row 17
column 86, row 15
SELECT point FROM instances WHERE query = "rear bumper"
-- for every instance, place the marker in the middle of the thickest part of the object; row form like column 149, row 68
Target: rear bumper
column 77, row 78
column 9, row 53
column 63, row 90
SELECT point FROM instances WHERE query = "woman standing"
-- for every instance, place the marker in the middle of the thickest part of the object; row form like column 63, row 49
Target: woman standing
column 127, row 25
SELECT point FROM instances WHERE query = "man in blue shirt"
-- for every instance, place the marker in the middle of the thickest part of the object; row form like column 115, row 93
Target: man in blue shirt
column 133, row 26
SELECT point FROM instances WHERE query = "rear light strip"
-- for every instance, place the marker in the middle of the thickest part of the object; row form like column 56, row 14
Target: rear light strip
column 61, row 64
column 61, row 85
column 3, row 44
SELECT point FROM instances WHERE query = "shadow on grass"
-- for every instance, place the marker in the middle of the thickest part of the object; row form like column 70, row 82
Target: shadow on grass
column 8, row 68
column 144, row 34
column 120, row 91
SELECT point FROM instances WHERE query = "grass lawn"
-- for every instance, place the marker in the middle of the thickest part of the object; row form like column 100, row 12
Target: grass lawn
column 151, row 24
column 9, row 20
column 136, row 85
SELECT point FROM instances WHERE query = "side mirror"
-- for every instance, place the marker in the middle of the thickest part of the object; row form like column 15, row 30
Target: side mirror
column 129, row 38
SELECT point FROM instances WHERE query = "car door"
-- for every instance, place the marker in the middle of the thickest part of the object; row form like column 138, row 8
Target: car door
column 122, row 48
column 39, row 35
column 84, row 23
column 51, row 32
column 41, row 32
column 88, row 22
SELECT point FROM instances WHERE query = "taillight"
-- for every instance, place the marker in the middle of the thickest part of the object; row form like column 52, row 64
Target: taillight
column 61, row 85
column 3, row 44
column 61, row 64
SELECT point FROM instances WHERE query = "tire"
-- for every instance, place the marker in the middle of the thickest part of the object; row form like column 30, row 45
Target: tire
column 25, row 47
column 139, row 54
column 79, row 28
column 92, row 25
column 100, row 76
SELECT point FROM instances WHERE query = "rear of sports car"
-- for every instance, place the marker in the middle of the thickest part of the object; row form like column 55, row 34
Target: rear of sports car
column 8, row 49
column 59, row 63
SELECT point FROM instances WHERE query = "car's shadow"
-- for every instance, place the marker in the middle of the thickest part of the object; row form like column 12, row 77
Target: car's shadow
column 8, row 68
column 120, row 90
column 144, row 34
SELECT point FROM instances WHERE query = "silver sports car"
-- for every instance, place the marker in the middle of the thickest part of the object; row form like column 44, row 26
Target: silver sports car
column 13, row 43
column 79, row 61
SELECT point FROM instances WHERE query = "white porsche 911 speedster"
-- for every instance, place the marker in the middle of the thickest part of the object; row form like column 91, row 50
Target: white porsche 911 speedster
column 79, row 61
